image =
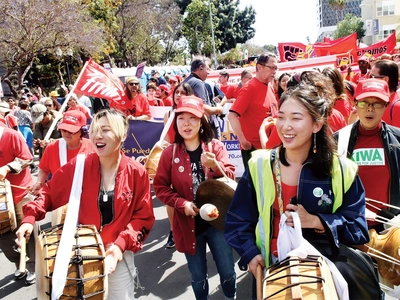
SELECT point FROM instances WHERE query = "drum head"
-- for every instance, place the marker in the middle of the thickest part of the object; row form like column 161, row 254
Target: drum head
column 218, row 193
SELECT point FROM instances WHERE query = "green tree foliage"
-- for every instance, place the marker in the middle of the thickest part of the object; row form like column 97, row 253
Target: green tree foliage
column 234, row 26
column 338, row 6
column 349, row 25
column 30, row 29
column 147, row 31
column 197, row 28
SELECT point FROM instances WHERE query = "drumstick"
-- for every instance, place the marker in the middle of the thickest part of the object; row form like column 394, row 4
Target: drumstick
column 22, row 256
column 259, row 280
column 17, row 186
column 379, row 202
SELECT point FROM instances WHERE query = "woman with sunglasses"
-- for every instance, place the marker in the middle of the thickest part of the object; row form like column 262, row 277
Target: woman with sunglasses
column 375, row 147
column 134, row 105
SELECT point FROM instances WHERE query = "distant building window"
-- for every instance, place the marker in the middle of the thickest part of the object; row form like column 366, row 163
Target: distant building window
column 385, row 10
column 385, row 33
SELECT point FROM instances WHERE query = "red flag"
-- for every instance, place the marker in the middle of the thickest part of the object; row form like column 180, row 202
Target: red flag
column 338, row 46
column 98, row 82
column 288, row 51
column 383, row 46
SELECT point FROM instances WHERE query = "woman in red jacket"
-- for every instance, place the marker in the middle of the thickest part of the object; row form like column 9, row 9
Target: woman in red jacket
column 115, row 197
column 183, row 166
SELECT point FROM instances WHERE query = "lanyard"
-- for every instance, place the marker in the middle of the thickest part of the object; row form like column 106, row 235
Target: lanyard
column 277, row 168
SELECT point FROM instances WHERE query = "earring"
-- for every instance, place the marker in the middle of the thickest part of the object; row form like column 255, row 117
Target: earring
column 201, row 130
column 315, row 143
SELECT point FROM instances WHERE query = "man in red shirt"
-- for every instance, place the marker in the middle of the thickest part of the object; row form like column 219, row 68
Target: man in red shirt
column 134, row 105
column 164, row 92
column 226, row 88
column 363, row 65
column 255, row 102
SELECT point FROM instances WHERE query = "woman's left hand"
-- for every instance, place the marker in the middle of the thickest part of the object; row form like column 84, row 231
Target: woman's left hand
column 307, row 220
column 116, row 252
column 208, row 160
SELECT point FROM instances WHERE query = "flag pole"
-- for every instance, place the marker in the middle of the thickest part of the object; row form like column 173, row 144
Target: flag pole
column 61, row 110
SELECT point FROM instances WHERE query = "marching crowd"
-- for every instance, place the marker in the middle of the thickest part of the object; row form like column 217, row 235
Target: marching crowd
column 322, row 143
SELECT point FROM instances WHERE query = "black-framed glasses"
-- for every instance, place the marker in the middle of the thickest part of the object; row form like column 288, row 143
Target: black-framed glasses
column 375, row 105
column 376, row 76
column 133, row 83
column 269, row 67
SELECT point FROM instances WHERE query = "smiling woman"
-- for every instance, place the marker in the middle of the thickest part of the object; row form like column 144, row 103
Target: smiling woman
column 115, row 197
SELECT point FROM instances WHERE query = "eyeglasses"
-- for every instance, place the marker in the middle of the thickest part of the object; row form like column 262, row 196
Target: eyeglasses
column 269, row 67
column 375, row 105
column 133, row 83
column 376, row 76
column 48, row 105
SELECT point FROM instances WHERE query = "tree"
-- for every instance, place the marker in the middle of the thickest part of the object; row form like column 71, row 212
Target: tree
column 147, row 31
column 349, row 25
column 197, row 30
column 33, row 28
column 234, row 26
column 337, row 5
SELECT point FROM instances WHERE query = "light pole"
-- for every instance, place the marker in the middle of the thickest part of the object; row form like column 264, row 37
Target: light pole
column 212, row 36
column 70, row 53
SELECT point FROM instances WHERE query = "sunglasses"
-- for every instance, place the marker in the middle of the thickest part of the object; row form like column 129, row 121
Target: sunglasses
column 376, row 76
column 133, row 83
column 48, row 105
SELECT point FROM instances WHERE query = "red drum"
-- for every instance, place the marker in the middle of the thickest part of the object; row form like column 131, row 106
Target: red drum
column 86, row 278
column 296, row 278
column 8, row 221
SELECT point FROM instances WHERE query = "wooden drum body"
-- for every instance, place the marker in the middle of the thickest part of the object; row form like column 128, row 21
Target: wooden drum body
column 86, row 277
column 8, row 221
column 153, row 159
column 296, row 278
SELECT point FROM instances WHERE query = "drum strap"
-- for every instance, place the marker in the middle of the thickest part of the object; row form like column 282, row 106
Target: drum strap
column 69, row 229
column 1, row 131
column 62, row 151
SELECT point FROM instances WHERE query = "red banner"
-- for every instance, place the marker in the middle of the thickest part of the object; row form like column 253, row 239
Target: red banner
column 289, row 51
column 384, row 46
column 98, row 82
column 339, row 46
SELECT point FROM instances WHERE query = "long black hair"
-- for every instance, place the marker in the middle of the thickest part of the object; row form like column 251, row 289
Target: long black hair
column 316, row 95
column 206, row 132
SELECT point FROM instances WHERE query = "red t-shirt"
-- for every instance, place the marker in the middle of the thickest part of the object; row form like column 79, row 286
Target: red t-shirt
column 13, row 145
column 336, row 121
column 136, row 107
column 228, row 90
column 358, row 76
column 155, row 102
column 255, row 102
column 50, row 161
column 168, row 101
column 343, row 106
column 373, row 167
column 288, row 192
column 395, row 109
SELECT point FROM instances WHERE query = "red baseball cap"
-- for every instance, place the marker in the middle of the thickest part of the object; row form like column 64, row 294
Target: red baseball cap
column 372, row 88
column 173, row 78
column 73, row 121
column 191, row 104
column 164, row 88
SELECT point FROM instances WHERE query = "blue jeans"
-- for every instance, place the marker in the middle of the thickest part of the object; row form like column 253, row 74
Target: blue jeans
column 223, row 257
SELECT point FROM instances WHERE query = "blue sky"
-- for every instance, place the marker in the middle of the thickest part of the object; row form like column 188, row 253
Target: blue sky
column 283, row 21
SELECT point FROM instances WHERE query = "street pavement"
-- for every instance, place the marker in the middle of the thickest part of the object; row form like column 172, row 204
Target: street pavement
column 163, row 273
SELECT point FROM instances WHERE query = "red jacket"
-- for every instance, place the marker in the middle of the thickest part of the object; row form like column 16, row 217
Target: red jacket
column 173, row 185
column 133, row 208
